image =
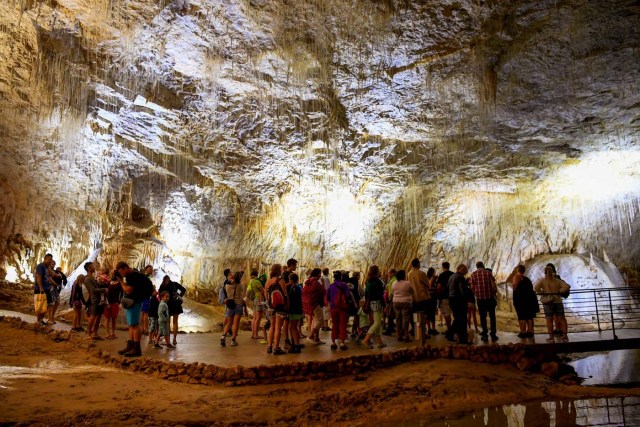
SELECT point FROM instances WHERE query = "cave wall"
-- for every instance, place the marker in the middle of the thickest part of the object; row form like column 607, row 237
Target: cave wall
column 341, row 133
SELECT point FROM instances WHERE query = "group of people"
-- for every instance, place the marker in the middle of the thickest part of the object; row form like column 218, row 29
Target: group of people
column 101, row 293
column 407, row 303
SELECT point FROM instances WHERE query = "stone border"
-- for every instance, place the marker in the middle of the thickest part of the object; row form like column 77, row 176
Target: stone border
column 523, row 357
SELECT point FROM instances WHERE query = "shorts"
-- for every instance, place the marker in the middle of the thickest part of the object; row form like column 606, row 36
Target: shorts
column 153, row 324
column 55, row 295
column 282, row 315
column 296, row 316
column 145, row 306
column 236, row 311
column 318, row 317
column 257, row 305
column 77, row 304
column 163, row 328
column 553, row 309
column 445, row 308
column 111, row 311
column 432, row 307
column 133, row 314
column 96, row 309
column 47, row 292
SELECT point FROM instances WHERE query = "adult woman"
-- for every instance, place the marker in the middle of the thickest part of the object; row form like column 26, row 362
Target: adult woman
column 432, row 303
column 76, row 301
column 277, row 302
column 235, row 307
column 550, row 289
column 338, row 297
column 525, row 302
column 256, row 295
column 176, row 292
column 402, row 298
column 374, row 295
column 296, row 314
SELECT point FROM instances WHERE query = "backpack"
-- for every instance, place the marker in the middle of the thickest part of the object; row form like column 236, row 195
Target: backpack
column 340, row 300
column 251, row 292
column 277, row 298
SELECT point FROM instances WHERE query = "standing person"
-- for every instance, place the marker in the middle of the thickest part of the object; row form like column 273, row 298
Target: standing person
column 402, row 300
column 42, row 286
column 176, row 292
column 278, row 307
column 137, row 287
column 353, row 283
column 374, row 295
column 234, row 308
column 458, row 294
column 96, row 294
column 326, row 311
column 57, row 280
column 472, row 313
column 442, row 291
column 228, row 278
column 154, row 328
column 144, row 315
column 294, row 292
column 484, row 288
column 256, row 296
column 432, row 302
column 339, row 299
column 525, row 302
column 390, row 313
column 420, row 285
column 551, row 288
column 112, row 308
column 77, row 301
column 163, row 319
column 557, row 328
column 313, row 296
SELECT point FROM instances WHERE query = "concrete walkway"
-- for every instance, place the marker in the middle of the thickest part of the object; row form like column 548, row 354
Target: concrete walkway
column 205, row 347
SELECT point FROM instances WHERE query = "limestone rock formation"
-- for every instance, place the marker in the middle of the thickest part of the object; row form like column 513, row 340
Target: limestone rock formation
column 212, row 134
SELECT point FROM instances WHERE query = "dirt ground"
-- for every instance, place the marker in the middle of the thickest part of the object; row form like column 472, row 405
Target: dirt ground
column 55, row 384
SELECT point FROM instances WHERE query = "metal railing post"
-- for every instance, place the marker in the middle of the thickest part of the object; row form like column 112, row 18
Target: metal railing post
column 613, row 322
column 595, row 302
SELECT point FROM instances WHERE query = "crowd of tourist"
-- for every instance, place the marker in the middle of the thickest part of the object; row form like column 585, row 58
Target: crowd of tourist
column 407, row 304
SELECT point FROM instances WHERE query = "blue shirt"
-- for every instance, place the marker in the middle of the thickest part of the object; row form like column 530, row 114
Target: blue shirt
column 163, row 312
column 43, row 271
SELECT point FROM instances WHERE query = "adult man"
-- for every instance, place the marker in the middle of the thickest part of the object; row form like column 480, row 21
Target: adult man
column 420, row 286
column 97, row 303
column 458, row 293
column 136, row 286
column 42, row 285
column 57, row 280
column 484, row 288
column 442, row 293
column 551, row 287
column 313, row 295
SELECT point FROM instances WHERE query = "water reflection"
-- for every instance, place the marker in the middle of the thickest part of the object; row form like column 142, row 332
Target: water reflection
column 614, row 411
column 613, row 368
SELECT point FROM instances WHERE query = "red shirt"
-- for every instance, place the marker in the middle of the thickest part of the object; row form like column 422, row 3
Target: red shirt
column 312, row 295
column 481, row 282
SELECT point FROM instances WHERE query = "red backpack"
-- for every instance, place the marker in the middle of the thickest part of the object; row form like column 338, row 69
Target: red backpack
column 340, row 300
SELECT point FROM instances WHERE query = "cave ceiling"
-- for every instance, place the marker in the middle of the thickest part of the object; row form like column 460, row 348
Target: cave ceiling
column 203, row 134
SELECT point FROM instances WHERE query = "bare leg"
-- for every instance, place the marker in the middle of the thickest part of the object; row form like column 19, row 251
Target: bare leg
column 236, row 326
column 174, row 318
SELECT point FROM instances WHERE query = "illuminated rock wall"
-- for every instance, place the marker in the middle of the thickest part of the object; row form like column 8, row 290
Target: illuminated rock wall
column 237, row 133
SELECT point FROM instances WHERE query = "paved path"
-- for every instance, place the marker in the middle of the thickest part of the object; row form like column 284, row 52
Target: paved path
column 205, row 347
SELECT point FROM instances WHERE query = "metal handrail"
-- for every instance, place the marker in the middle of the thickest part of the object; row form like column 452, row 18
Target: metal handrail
column 605, row 308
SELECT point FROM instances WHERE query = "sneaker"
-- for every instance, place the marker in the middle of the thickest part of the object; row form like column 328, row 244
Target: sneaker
column 319, row 342
column 278, row 350
column 565, row 339
column 334, row 346
column 382, row 345
column 264, row 342
column 522, row 335
column 170, row 346
column 269, row 350
column 43, row 323
column 222, row 341
column 365, row 345
column 484, row 338
column 234, row 343
column 157, row 346
column 344, row 347
column 550, row 340
column 494, row 338
column 175, row 341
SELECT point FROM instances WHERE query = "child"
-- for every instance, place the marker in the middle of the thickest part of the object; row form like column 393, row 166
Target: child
column 363, row 324
column 163, row 320
column 154, row 304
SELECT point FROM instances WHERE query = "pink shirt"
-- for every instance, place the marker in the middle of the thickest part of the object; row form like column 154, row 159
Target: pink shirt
column 402, row 291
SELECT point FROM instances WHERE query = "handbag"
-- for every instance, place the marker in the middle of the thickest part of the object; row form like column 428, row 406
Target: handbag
column 546, row 299
column 230, row 303
column 127, row 302
column 41, row 303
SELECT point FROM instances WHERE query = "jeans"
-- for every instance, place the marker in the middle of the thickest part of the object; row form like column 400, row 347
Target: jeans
column 487, row 306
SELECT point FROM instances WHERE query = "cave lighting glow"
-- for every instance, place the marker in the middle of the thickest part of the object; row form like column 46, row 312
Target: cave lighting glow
column 12, row 274
column 599, row 177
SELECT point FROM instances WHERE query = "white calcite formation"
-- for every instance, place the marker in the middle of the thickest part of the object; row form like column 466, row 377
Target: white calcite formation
column 202, row 134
